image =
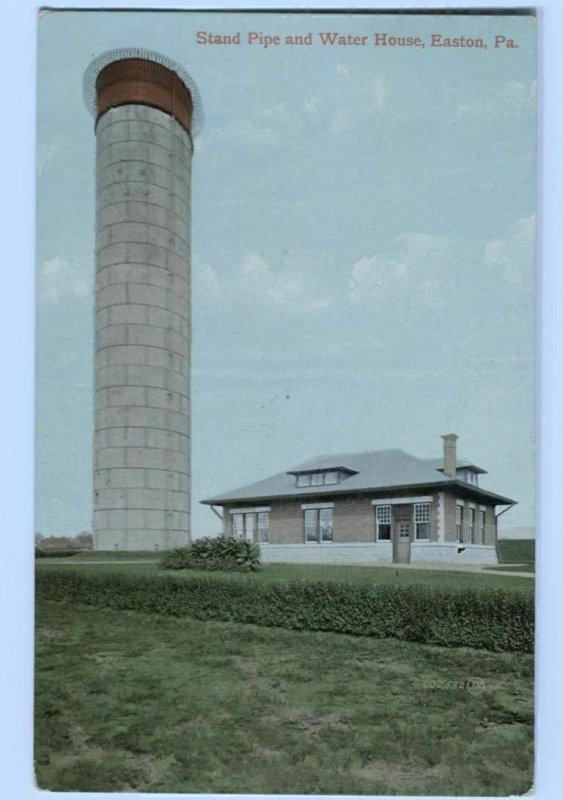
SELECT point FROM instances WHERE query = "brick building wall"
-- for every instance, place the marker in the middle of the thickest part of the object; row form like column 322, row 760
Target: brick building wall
column 354, row 519
column 286, row 523
column 450, row 503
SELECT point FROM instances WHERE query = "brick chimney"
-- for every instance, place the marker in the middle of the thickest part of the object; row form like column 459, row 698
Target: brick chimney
column 450, row 462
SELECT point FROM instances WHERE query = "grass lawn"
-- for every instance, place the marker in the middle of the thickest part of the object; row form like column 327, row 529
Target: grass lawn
column 441, row 578
column 131, row 702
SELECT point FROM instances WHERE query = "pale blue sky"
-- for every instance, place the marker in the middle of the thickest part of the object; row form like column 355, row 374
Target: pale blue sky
column 363, row 249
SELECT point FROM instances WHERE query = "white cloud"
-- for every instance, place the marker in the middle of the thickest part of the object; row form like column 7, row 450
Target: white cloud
column 347, row 109
column 513, row 96
column 290, row 285
column 513, row 256
column 273, row 111
column 253, row 263
column 313, row 104
column 411, row 273
column 268, row 127
column 59, row 279
column 244, row 130
column 519, row 94
column 287, row 289
column 253, row 133
column 208, row 277
column 281, row 286
column 420, row 271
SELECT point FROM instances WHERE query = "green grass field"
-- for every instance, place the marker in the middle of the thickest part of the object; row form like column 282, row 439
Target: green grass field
column 517, row 552
column 442, row 578
column 132, row 702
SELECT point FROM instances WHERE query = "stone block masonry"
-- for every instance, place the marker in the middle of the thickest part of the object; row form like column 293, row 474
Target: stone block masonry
column 142, row 341
column 374, row 553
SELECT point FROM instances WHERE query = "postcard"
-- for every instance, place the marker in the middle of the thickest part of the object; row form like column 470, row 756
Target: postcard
column 285, row 442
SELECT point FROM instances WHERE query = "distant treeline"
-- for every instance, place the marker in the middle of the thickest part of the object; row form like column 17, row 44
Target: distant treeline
column 58, row 544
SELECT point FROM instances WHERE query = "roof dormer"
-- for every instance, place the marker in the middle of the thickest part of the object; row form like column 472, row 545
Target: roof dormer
column 469, row 474
column 321, row 477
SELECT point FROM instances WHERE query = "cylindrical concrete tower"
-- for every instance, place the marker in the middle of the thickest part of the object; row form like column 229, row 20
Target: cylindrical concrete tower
column 144, row 112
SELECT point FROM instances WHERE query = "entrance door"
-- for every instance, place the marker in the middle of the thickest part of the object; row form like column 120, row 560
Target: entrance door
column 402, row 535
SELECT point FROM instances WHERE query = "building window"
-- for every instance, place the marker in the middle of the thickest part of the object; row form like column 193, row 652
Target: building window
column 422, row 520
column 249, row 526
column 383, row 523
column 318, row 525
column 482, row 526
column 263, row 526
column 459, row 522
column 472, row 525
column 245, row 525
column 237, row 523
column 318, row 478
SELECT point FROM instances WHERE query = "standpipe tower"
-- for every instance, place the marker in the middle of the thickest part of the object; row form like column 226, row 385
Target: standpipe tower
column 145, row 108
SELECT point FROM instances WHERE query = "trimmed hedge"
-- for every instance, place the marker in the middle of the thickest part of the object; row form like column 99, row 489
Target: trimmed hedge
column 491, row 619
column 214, row 553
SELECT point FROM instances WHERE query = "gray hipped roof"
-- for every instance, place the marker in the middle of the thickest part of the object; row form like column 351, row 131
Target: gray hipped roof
column 371, row 471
